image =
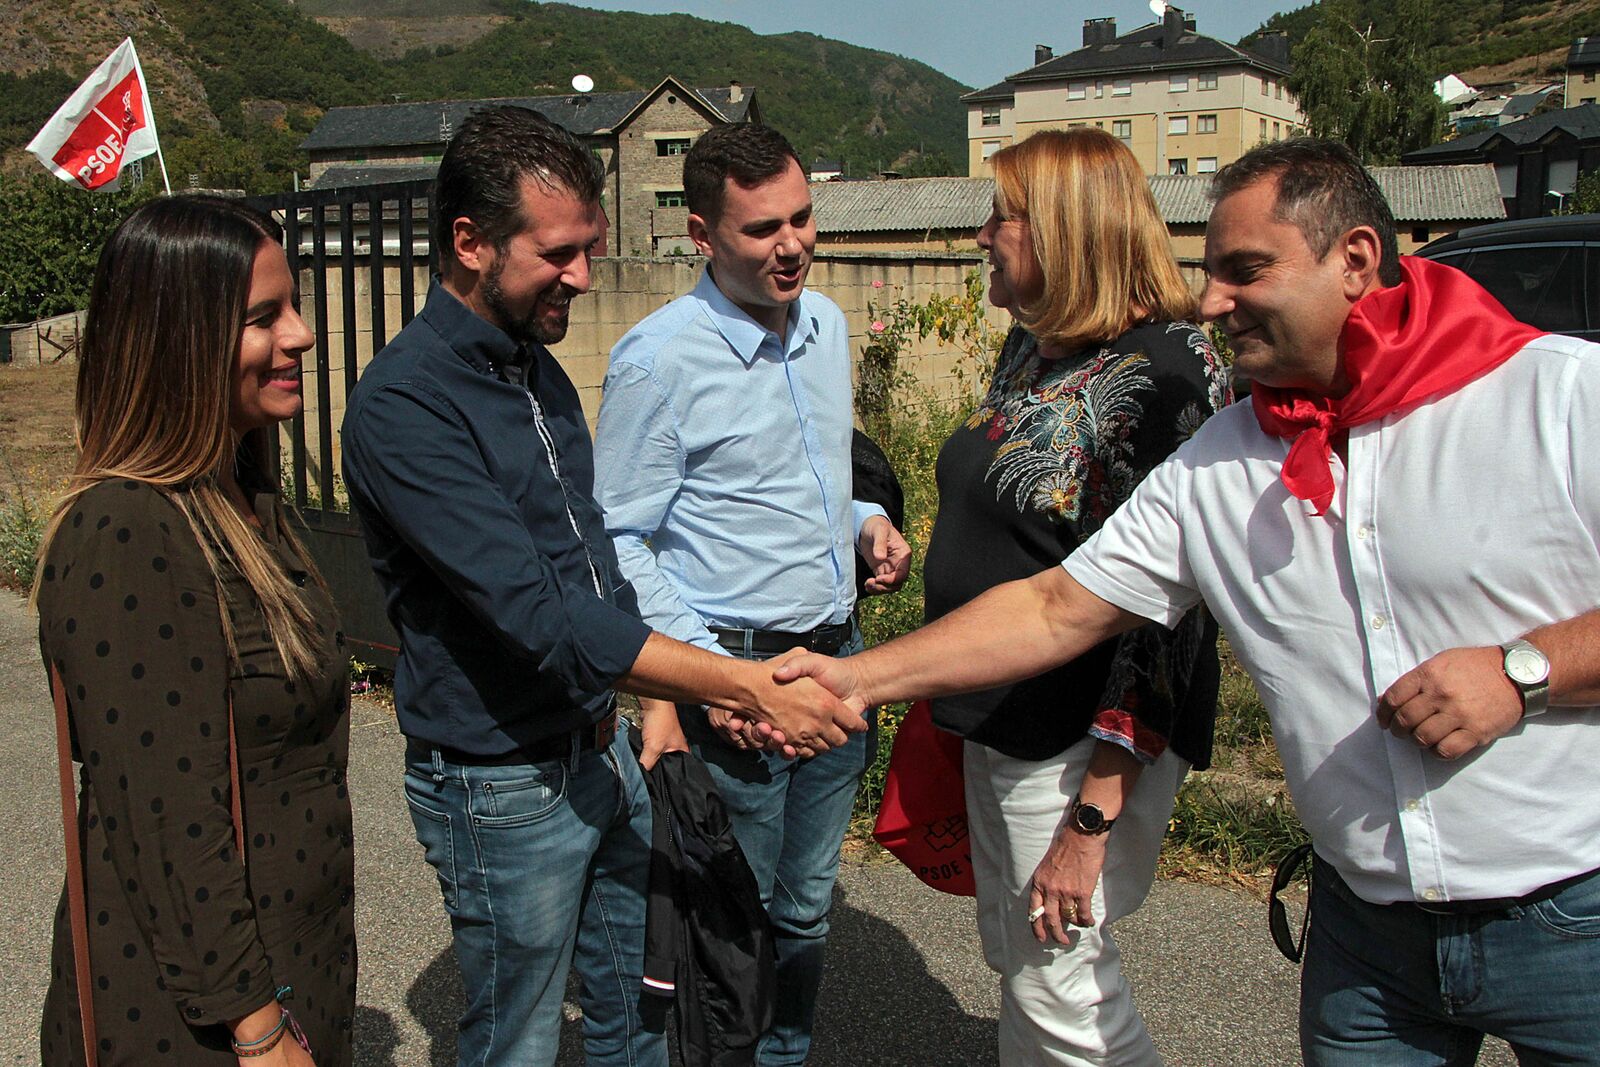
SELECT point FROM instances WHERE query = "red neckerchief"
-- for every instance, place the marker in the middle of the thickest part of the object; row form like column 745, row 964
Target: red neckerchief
column 1430, row 335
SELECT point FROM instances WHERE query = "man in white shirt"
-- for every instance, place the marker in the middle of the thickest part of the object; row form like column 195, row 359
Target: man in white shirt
column 1401, row 537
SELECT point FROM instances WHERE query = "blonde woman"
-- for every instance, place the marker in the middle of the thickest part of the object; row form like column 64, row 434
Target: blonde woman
column 1071, row 776
column 189, row 629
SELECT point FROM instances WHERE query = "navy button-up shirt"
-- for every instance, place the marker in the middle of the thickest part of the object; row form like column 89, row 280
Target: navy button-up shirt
column 476, row 497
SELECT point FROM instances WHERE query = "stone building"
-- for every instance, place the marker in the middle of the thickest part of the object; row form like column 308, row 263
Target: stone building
column 1185, row 103
column 639, row 137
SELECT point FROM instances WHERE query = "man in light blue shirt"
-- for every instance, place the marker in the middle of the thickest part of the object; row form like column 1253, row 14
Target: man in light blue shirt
column 723, row 465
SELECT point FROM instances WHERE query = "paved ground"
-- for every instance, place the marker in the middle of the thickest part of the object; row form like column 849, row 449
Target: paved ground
column 905, row 983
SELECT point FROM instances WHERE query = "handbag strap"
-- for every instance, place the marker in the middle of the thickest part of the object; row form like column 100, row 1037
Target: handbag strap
column 77, row 905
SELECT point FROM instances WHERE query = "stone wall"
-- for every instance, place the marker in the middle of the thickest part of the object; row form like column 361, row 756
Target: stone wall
column 625, row 291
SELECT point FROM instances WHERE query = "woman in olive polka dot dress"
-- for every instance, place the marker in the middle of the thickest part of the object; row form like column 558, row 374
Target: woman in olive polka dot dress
column 171, row 585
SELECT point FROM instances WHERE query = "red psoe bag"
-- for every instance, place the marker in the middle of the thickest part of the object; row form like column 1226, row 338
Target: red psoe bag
column 923, row 818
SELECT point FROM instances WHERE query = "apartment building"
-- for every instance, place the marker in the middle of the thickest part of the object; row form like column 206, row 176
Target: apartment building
column 1583, row 65
column 1185, row 103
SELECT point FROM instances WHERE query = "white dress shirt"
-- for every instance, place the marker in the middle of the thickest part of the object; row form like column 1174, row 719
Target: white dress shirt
column 1468, row 520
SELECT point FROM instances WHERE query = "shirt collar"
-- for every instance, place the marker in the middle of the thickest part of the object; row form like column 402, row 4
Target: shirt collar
column 480, row 344
column 744, row 334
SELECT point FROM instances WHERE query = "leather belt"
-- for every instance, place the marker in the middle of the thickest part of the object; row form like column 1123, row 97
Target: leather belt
column 596, row 738
column 827, row 640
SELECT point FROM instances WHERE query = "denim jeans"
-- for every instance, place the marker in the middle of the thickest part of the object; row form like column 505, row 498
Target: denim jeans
column 1399, row 986
column 790, row 819
column 542, row 866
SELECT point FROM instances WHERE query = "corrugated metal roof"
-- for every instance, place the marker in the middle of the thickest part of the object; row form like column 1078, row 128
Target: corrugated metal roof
column 1445, row 194
column 1416, row 194
column 384, row 125
column 902, row 204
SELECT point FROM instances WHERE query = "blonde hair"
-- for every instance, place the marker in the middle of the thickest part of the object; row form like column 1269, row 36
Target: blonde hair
column 155, row 377
column 1100, row 242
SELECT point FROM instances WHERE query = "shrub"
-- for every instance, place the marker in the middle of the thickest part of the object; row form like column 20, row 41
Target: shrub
column 22, row 523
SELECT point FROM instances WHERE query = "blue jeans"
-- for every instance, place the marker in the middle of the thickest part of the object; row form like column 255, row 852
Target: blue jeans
column 1399, row 986
column 790, row 819
column 543, row 865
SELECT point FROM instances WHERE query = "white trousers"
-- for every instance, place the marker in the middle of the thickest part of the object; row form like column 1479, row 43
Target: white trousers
column 1061, row 1004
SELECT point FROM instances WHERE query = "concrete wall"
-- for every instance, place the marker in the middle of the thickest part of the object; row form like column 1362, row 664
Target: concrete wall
column 625, row 291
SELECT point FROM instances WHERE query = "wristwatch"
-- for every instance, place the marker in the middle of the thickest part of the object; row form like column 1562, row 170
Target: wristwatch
column 1088, row 818
column 1529, row 671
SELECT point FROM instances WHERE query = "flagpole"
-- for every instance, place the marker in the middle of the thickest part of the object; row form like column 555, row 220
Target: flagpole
column 150, row 107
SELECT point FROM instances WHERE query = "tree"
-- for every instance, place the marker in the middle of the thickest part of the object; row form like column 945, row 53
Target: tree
column 1367, row 82
column 1585, row 196
column 51, row 241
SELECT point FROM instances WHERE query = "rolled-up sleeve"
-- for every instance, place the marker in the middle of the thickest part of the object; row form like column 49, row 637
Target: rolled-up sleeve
column 413, row 466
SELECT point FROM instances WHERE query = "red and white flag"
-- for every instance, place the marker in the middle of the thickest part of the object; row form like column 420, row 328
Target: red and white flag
column 104, row 124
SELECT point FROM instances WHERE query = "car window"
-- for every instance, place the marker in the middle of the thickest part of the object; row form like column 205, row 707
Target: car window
column 1540, row 285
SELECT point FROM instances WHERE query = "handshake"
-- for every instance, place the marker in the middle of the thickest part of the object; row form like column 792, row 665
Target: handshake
column 799, row 704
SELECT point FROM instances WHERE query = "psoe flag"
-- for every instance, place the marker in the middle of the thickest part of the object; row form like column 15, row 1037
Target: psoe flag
column 104, row 124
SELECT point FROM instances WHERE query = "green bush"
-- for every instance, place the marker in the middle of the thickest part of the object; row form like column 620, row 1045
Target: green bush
column 22, row 524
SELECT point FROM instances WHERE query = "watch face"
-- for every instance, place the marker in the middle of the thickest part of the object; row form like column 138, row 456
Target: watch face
column 1090, row 818
column 1527, row 666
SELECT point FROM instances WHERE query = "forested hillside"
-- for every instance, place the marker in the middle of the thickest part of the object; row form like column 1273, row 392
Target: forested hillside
column 238, row 83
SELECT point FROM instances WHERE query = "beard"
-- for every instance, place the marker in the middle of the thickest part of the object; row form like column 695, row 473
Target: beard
column 528, row 326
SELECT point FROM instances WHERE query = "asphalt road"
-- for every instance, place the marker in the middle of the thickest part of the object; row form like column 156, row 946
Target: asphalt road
column 905, row 984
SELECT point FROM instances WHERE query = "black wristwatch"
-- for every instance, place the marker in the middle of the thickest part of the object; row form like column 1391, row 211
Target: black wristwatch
column 1088, row 818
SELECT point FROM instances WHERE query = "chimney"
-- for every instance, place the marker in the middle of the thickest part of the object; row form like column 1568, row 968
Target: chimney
column 1171, row 27
column 1042, row 53
column 735, row 92
column 1099, row 31
column 1273, row 46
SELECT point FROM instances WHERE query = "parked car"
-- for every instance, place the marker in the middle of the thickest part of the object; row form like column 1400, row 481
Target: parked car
column 1545, row 271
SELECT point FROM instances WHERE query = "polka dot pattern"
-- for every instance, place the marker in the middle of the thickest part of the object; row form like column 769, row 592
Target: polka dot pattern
column 179, row 939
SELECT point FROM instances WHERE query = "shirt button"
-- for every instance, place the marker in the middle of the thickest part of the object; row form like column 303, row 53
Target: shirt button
column 1412, row 805
column 193, row 1013
column 1430, row 894
column 1364, row 531
column 1379, row 622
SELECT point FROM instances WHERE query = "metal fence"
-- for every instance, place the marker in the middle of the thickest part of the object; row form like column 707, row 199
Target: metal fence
column 350, row 233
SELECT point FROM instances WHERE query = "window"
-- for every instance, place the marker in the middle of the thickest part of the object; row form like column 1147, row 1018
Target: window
column 1122, row 128
column 1419, row 235
column 1205, row 165
column 1263, row 129
column 991, row 115
column 1205, row 81
column 1122, row 87
column 1266, row 86
column 1546, row 288
column 672, row 146
column 1205, row 124
column 1588, row 76
column 990, row 148
column 1077, row 90
column 1276, row 134
column 1277, row 90
column 1076, row 125
column 1178, row 83
column 671, row 198
column 1177, row 124
column 1177, row 166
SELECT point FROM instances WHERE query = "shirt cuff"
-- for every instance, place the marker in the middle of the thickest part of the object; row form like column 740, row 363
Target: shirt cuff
column 1118, row 727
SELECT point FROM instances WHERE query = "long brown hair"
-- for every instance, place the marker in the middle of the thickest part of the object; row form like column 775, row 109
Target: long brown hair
column 160, row 347
column 1099, row 239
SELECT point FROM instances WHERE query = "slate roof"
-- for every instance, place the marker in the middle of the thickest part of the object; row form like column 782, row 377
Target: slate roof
column 1585, row 52
column 1415, row 194
column 373, row 174
column 902, row 204
column 387, row 125
column 1140, row 50
column 1581, row 123
column 999, row 91
column 1521, row 105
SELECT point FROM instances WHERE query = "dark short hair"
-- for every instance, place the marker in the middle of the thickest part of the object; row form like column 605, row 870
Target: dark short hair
column 748, row 152
column 1323, row 191
column 481, row 174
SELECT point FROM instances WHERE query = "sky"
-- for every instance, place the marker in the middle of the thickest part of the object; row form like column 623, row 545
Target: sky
column 978, row 42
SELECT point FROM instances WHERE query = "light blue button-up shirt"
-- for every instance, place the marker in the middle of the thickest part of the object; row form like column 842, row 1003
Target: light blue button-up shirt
column 722, row 460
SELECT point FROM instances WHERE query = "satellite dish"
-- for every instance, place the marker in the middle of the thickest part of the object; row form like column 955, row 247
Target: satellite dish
column 1158, row 8
column 583, row 83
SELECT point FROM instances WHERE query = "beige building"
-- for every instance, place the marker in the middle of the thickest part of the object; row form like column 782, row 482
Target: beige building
column 1185, row 103
column 1583, row 72
column 639, row 137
